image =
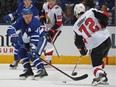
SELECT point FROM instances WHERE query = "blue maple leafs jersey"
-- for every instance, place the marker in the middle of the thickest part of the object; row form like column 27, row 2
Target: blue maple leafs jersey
column 30, row 33
column 18, row 12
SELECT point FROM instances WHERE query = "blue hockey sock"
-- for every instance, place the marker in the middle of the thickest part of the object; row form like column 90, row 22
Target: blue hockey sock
column 25, row 62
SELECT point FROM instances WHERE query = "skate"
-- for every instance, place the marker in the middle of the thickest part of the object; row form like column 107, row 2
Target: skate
column 101, row 80
column 14, row 65
column 40, row 73
column 28, row 73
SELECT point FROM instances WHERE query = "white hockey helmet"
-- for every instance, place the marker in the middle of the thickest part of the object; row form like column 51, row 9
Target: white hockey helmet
column 78, row 8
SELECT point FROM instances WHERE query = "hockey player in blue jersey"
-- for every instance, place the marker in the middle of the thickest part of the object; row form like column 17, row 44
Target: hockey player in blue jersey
column 20, row 2
column 32, row 44
column 17, row 14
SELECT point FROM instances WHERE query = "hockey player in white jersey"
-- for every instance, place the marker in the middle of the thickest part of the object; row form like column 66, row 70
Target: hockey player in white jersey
column 91, row 34
column 52, row 19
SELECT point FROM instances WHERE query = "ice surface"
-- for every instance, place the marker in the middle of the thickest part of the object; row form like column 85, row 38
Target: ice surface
column 10, row 78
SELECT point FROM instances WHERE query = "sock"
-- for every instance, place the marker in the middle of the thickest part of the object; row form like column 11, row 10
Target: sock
column 25, row 62
column 97, row 71
column 48, row 58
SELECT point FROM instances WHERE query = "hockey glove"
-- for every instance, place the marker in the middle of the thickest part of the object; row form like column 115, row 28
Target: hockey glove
column 6, row 18
column 83, row 51
column 48, row 37
column 14, row 38
column 43, row 19
column 51, row 32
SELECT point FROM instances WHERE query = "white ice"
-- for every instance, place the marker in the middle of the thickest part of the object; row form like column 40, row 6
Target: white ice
column 10, row 78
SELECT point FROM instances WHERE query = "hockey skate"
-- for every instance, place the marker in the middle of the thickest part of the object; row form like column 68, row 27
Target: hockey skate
column 40, row 73
column 14, row 65
column 101, row 80
column 28, row 73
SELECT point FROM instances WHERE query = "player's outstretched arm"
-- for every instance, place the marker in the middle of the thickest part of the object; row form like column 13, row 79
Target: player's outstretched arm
column 103, row 17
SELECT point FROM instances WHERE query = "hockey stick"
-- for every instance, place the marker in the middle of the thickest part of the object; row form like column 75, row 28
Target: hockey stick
column 56, row 50
column 73, row 78
column 53, row 43
column 75, row 73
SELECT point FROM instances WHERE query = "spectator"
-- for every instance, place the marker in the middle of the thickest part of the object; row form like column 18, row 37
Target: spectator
column 110, row 4
column 104, row 7
column 68, row 17
column 101, row 2
column 87, row 3
column 6, row 7
column 63, row 3
column 111, row 13
column 96, row 4
column 9, row 5
column 14, row 15
column 39, row 4
column 20, row 2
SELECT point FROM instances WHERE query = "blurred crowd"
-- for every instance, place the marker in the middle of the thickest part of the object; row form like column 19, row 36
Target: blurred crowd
column 10, row 6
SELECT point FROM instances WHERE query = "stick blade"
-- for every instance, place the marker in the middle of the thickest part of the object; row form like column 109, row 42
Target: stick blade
column 80, row 77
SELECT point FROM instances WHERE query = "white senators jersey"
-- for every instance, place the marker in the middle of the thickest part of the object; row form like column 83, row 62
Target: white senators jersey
column 53, row 15
column 90, row 28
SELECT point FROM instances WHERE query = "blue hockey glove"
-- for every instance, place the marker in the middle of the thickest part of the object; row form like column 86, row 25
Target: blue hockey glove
column 14, row 38
column 16, row 41
column 6, row 18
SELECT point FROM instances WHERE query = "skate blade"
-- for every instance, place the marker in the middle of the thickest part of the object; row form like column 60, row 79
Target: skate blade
column 22, row 78
column 13, row 68
column 27, row 78
column 100, row 83
column 94, row 84
column 30, row 78
column 39, row 77
column 103, row 83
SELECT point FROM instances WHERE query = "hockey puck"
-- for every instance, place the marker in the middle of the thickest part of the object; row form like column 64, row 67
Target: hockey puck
column 74, row 73
column 64, row 81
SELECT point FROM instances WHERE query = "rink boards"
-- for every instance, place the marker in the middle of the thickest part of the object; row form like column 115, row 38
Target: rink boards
column 64, row 44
